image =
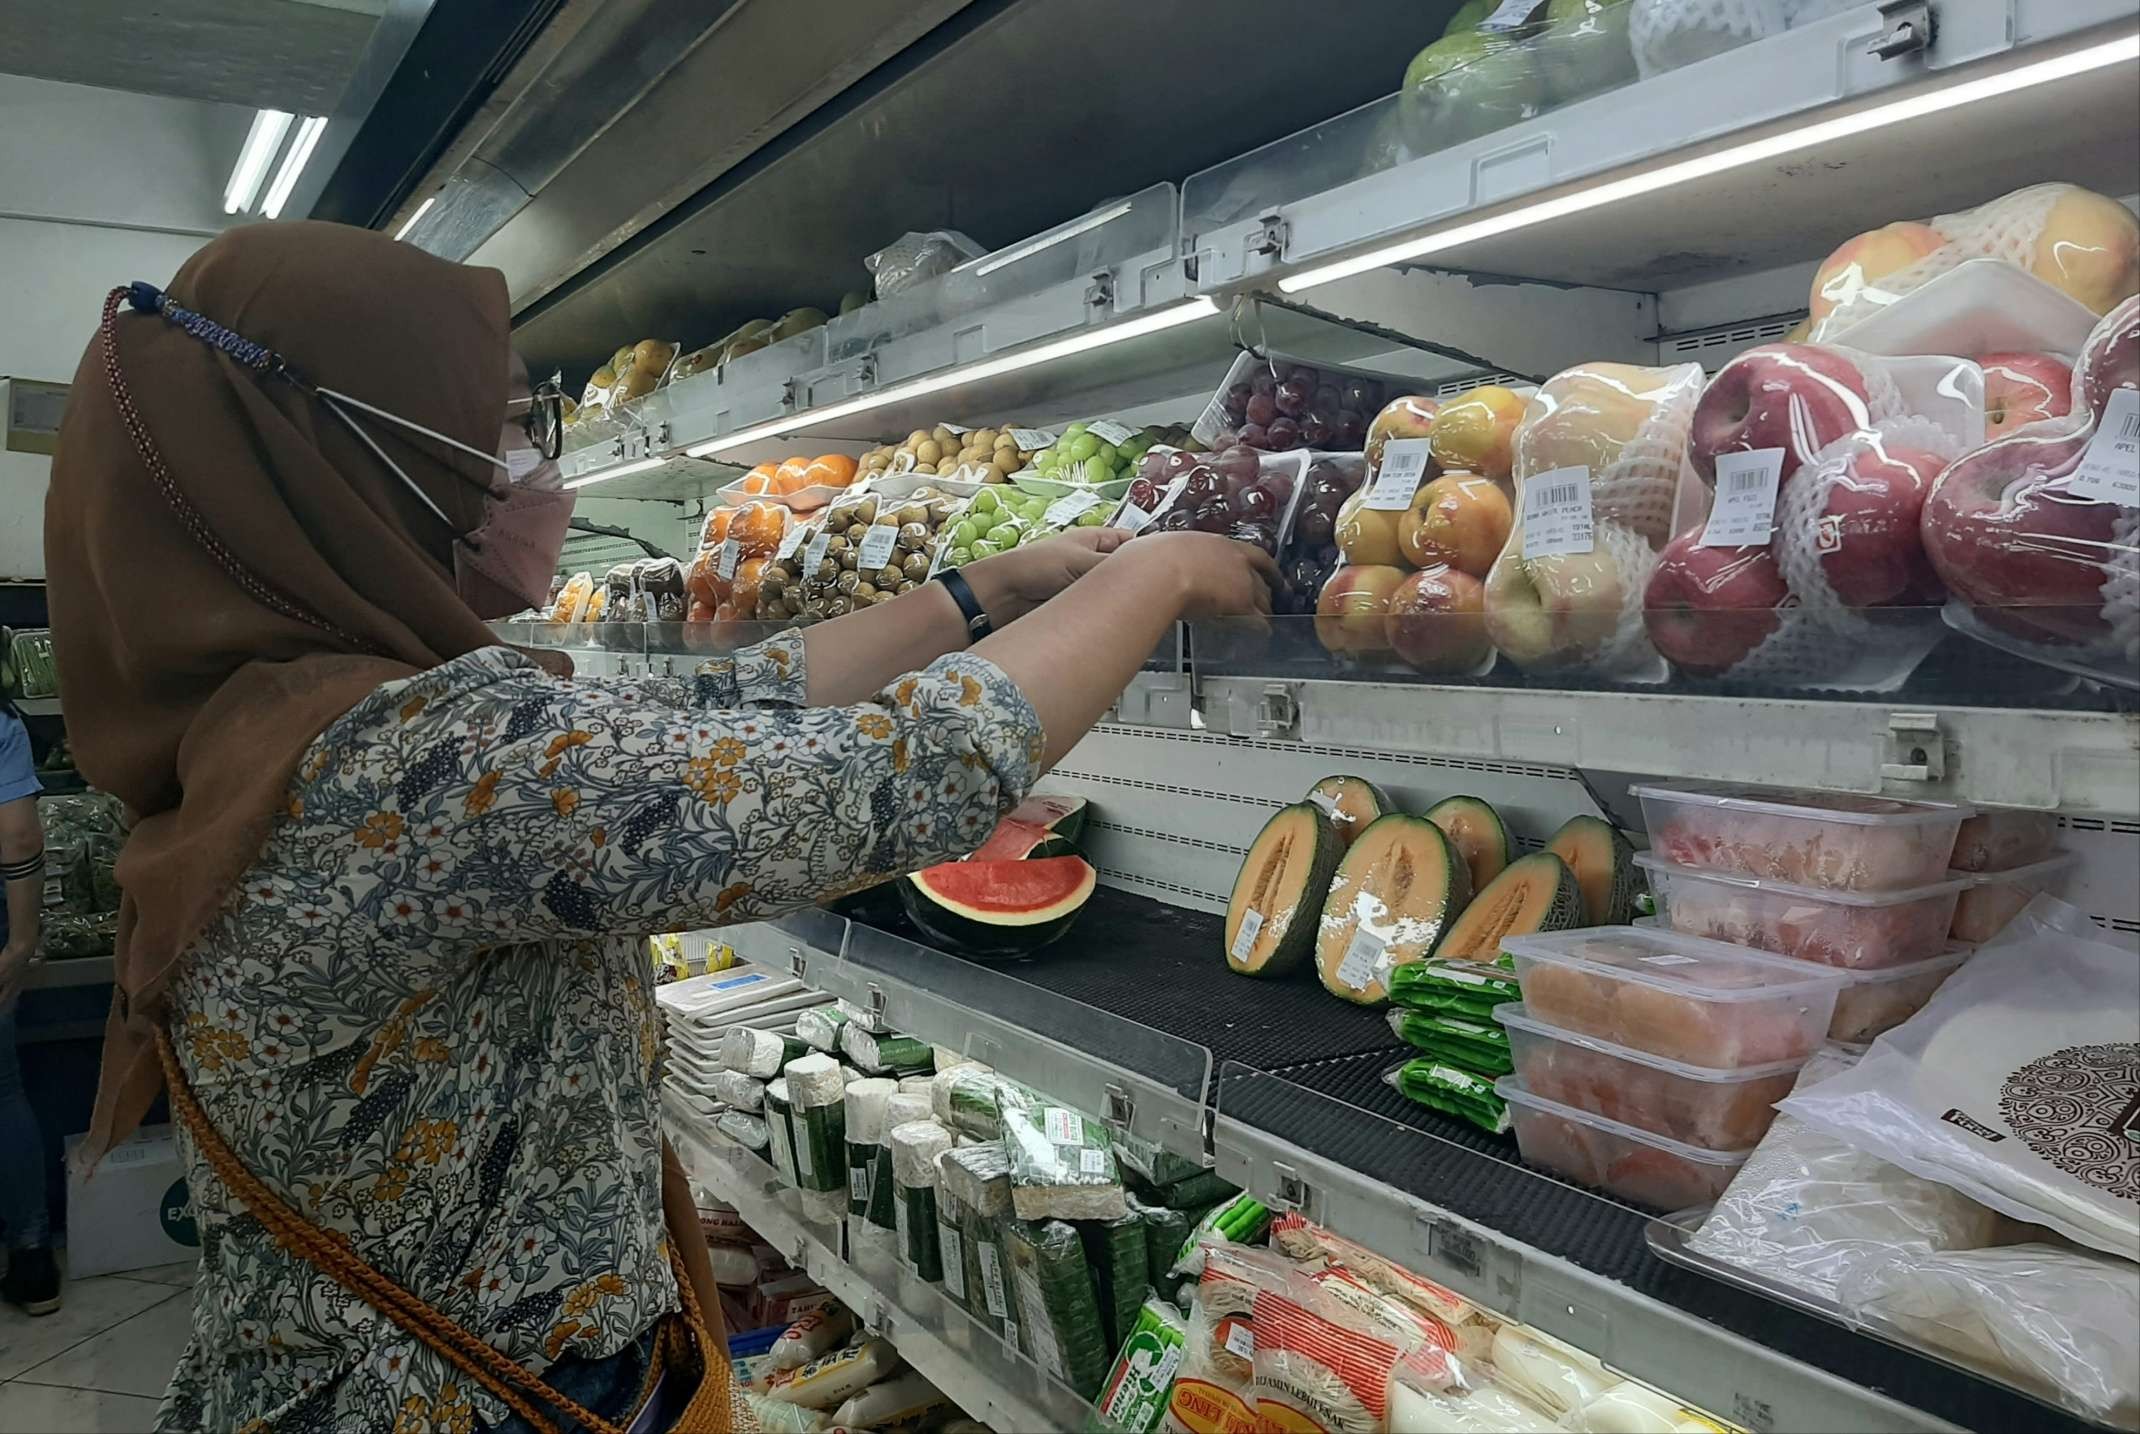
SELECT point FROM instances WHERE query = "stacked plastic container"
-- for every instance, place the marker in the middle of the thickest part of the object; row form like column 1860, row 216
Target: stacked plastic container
column 2005, row 860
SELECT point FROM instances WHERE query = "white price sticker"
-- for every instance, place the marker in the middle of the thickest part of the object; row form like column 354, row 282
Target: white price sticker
column 725, row 565
column 815, row 553
column 954, row 1258
column 1404, row 464
column 1091, row 1161
column 876, row 548
column 1032, row 440
column 1744, row 513
column 1109, row 431
column 1130, row 518
column 789, row 542
column 1556, row 512
column 1062, row 1126
column 1240, row 1339
column 1070, row 507
column 953, row 428
column 1508, row 15
column 1462, row 978
column 1244, row 940
column 2109, row 470
column 1450, row 1075
column 992, row 1281
column 858, row 1184
column 939, row 554
column 805, row 1167
column 1362, row 958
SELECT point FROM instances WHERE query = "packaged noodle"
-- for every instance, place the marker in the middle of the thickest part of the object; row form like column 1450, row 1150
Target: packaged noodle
column 1319, row 1365
column 1211, row 1394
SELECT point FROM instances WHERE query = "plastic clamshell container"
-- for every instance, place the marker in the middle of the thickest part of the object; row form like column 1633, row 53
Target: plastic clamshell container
column 2003, row 839
column 1714, row 1109
column 1679, row 997
column 1836, row 840
column 802, row 500
column 1994, row 898
column 1635, row 1165
column 1875, row 1001
column 1980, row 306
column 1857, row 930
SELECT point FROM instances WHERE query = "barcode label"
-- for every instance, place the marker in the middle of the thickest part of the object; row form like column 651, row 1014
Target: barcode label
column 1108, row 431
column 815, row 553
column 876, row 549
column 1508, row 15
column 2109, row 471
column 1362, row 958
column 1744, row 513
column 789, row 542
column 1556, row 512
column 1092, row 1162
column 1397, row 477
column 1244, row 940
column 1136, row 520
column 1063, row 1126
column 725, row 565
column 1070, row 507
column 1032, row 440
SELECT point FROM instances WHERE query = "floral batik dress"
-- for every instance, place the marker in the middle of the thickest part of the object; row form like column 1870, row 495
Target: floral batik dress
column 425, row 1017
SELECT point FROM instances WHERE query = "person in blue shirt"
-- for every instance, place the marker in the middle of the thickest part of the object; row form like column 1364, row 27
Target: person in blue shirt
column 32, row 1279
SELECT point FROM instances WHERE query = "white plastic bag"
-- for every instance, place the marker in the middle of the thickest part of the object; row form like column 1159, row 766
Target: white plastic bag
column 911, row 258
column 2015, row 1084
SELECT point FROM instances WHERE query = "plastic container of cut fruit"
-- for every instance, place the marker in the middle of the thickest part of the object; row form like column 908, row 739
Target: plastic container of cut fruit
column 1836, row 840
column 1858, row 930
column 1876, row 1001
column 1714, row 1109
column 1993, row 898
column 1680, row 997
column 2002, row 840
column 1622, row 1160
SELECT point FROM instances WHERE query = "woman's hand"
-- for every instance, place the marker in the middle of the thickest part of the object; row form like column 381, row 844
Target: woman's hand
column 1012, row 584
column 1215, row 576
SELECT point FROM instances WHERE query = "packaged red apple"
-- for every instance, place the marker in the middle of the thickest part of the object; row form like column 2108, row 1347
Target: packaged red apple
column 1273, row 402
column 1596, row 460
column 2037, row 534
column 2075, row 240
column 1798, row 560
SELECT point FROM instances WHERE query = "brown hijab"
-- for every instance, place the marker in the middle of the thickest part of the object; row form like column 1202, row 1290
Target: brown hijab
column 214, row 611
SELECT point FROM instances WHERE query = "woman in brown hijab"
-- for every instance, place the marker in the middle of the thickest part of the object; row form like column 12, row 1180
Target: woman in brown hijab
column 383, row 900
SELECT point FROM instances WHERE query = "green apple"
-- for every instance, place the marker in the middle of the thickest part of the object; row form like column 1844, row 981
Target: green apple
column 1584, row 50
column 1465, row 86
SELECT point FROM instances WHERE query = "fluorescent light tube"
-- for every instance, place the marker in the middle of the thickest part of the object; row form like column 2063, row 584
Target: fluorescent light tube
column 623, row 470
column 416, row 218
column 1951, row 96
column 261, row 142
column 989, row 263
column 1176, row 314
column 293, row 164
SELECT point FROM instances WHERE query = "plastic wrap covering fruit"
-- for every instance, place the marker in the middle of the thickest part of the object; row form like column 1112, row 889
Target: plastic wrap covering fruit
column 997, row 519
column 1666, row 34
column 799, row 483
column 2073, row 239
column 1235, row 492
column 2037, row 533
column 867, row 549
column 1094, row 453
column 1830, row 454
column 632, row 372
column 915, row 257
column 722, row 585
column 1273, row 402
column 980, row 455
column 1835, row 840
column 1995, row 898
column 1497, row 64
column 1596, row 459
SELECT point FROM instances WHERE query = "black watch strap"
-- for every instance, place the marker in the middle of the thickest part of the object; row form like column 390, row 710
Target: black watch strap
column 977, row 624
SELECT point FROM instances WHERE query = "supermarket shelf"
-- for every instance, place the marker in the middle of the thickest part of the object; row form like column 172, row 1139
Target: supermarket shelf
column 1353, row 186
column 973, row 1367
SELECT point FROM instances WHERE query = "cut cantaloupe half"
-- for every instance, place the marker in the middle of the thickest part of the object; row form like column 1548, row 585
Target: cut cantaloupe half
column 1270, row 919
column 1350, row 803
column 1536, row 893
column 1604, row 865
column 1396, row 891
column 1481, row 837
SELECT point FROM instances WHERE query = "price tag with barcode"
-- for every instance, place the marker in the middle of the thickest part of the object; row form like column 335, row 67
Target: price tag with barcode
column 1091, row 1161
column 876, row 548
column 1031, row 440
column 1109, row 431
column 1404, row 463
column 815, row 553
column 1362, row 958
column 1063, row 1126
column 1134, row 519
column 725, row 565
column 789, row 542
column 1556, row 512
column 1744, row 512
column 1070, row 507
column 1244, row 940
column 2109, row 470
column 1508, row 15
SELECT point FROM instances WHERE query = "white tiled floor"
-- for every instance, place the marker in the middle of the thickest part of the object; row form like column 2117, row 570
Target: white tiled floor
column 100, row 1364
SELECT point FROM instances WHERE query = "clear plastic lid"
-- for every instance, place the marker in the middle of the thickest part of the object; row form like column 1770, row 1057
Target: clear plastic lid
column 1686, row 966
column 1848, row 807
column 1517, row 1017
column 1511, row 1089
column 1946, row 960
column 1826, row 895
column 2035, row 871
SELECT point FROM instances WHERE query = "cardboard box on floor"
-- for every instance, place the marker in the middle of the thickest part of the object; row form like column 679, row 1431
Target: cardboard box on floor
column 134, row 1211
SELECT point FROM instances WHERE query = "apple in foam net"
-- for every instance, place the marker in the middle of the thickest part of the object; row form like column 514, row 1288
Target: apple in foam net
column 2089, row 246
column 1550, row 610
column 1860, row 264
column 1707, row 608
column 2022, row 388
column 1796, row 397
column 1868, row 529
column 1437, row 621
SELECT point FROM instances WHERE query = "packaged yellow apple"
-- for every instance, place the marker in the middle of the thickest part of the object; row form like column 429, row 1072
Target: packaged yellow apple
column 1597, row 461
column 1798, row 558
column 2073, row 239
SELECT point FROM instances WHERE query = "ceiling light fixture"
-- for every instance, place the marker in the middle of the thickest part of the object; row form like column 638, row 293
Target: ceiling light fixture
column 421, row 210
column 625, row 470
column 1950, row 96
column 293, row 164
column 261, row 142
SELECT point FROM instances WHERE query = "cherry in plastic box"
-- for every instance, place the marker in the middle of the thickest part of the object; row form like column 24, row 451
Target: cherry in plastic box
column 1826, row 839
column 1274, row 402
column 1853, row 929
column 1679, row 997
column 1876, row 1001
column 1633, row 1164
column 1714, row 1109
column 1994, row 898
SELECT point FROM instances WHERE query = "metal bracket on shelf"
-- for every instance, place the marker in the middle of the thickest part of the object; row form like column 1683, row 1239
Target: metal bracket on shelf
column 876, row 1001
column 796, row 962
column 1916, row 748
column 1269, row 237
column 1907, row 28
column 1294, row 1193
column 1100, row 293
column 790, row 394
column 877, row 1317
column 1277, row 711
column 1157, row 699
column 1120, row 1109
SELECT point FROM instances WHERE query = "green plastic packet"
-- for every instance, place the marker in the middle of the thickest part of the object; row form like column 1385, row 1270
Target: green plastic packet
column 1479, row 1046
column 1451, row 1091
column 1134, row 1398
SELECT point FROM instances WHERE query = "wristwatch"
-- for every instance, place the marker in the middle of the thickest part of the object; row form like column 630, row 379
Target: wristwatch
column 977, row 624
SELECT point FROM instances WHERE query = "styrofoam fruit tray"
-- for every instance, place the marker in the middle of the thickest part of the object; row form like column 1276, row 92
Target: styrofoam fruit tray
column 802, row 500
column 1978, row 307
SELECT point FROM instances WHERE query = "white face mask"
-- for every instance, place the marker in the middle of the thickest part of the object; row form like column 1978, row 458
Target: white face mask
column 504, row 564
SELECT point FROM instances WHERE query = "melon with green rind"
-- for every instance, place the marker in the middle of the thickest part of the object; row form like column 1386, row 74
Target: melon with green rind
column 1535, row 893
column 1604, row 865
column 998, row 908
column 1480, row 835
column 1350, row 803
column 1402, row 881
column 1028, row 827
column 1283, row 881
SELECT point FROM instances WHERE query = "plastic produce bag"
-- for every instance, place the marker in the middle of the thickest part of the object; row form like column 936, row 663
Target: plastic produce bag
column 1057, row 1307
column 2014, row 1084
column 1466, row 989
column 915, row 257
column 1062, row 1164
column 1453, row 1092
column 1134, row 1398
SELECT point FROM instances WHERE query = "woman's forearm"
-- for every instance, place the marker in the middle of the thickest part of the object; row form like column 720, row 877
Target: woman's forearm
column 853, row 657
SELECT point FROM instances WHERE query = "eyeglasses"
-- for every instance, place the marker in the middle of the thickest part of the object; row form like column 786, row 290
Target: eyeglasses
column 545, row 417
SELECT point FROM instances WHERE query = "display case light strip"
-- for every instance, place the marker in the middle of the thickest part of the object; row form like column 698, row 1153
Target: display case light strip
column 622, row 470
column 293, row 164
column 1170, row 317
column 261, row 142
column 1951, row 96
column 988, row 263
column 416, row 218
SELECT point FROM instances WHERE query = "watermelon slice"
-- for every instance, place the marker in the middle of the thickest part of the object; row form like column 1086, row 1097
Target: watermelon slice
column 1036, row 819
column 998, row 908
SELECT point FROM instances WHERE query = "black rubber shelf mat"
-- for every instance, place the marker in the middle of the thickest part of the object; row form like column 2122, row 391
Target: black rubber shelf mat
column 1481, row 1178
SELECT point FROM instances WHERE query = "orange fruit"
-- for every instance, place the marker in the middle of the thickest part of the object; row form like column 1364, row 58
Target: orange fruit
column 758, row 528
column 749, row 573
column 717, row 522
column 759, row 483
column 833, row 470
